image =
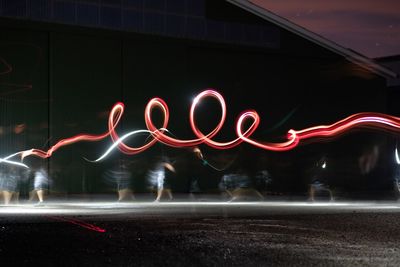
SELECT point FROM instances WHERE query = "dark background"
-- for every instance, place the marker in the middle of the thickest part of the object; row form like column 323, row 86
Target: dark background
column 66, row 78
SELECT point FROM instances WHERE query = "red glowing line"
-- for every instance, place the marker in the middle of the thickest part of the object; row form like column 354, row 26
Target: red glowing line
column 115, row 116
column 19, row 87
column 81, row 223
column 158, row 134
column 8, row 67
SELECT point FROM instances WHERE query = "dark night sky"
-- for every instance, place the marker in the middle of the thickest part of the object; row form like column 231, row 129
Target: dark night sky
column 370, row 27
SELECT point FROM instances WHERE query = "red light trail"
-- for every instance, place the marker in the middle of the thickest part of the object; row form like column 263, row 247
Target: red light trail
column 8, row 85
column 80, row 223
column 377, row 121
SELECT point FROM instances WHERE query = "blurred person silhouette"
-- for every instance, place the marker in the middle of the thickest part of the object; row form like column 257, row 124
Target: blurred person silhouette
column 239, row 187
column 22, row 177
column 9, row 183
column 198, row 162
column 396, row 175
column 368, row 159
column 319, row 180
column 159, row 177
column 200, row 174
column 239, row 181
column 189, row 165
column 262, row 176
column 373, row 181
column 121, row 176
column 262, row 180
column 40, row 181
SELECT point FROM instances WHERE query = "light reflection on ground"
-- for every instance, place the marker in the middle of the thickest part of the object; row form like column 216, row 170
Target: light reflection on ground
column 202, row 208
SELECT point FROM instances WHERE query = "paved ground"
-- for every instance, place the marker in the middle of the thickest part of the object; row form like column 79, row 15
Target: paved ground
column 181, row 233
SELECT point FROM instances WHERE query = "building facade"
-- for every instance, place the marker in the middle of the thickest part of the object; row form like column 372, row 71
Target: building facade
column 65, row 63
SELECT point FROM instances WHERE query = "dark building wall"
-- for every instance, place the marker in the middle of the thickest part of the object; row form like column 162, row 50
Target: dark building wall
column 83, row 72
column 179, row 18
column 393, row 84
column 393, row 103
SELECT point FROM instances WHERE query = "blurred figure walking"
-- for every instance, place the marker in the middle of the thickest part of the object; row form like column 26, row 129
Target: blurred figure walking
column 40, row 182
column 160, row 176
column 121, row 176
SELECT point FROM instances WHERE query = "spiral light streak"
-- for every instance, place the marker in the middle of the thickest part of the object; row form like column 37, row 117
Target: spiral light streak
column 117, row 143
column 370, row 120
column 159, row 134
column 16, row 163
column 120, row 140
column 202, row 138
column 114, row 118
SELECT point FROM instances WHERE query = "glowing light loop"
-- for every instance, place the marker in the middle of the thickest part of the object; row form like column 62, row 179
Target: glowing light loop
column 160, row 134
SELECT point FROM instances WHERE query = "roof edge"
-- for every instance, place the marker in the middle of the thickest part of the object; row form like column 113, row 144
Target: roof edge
column 350, row 55
column 388, row 58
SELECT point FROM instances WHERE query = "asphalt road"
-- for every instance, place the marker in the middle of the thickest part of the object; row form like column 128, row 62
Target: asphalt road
column 275, row 233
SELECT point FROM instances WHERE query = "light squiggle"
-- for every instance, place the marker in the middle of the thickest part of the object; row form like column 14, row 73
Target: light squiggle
column 20, row 164
column 114, row 118
column 120, row 140
column 160, row 134
column 16, row 163
column 116, row 144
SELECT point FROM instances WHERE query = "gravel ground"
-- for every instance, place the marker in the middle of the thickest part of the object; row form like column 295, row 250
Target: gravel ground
column 354, row 238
